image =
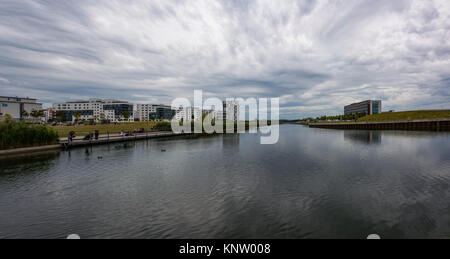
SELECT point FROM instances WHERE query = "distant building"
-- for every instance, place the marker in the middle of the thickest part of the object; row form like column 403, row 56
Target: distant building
column 230, row 111
column 367, row 107
column 49, row 114
column 164, row 113
column 96, row 109
column 152, row 112
column 188, row 114
column 18, row 107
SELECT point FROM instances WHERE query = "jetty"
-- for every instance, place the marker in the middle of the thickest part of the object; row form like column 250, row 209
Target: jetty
column 79, row 141
column 114, row 138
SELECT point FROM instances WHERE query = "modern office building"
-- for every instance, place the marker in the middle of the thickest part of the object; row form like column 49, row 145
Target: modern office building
column 164, row 113
column 367, row 107
column 49, row 115
column 96, row 109
column 152, row 112
column 143, row 111
column 18, row 107
column 188, row 114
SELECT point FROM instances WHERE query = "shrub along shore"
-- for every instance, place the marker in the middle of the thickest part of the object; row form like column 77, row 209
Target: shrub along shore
column 21, row 134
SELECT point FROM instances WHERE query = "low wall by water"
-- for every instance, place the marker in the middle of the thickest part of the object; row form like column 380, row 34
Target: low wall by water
column 26, row 150
column 79, row 142
column 422, row 125
column 106, row 139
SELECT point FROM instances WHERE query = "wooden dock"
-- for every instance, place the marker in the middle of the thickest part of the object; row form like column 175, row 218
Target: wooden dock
column 418, row 125
column 114, row 138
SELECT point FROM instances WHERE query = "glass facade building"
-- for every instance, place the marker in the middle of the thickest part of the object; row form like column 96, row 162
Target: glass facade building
column 164, row 114
column 367, row 107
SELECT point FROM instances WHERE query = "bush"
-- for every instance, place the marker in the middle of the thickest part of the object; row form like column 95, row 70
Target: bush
column 163, row 126
column 17, row 135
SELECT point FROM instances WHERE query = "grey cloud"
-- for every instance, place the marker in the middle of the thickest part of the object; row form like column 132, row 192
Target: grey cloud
column 316, row 55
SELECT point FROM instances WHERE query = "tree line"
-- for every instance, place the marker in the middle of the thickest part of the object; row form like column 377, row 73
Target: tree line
column 347, row 117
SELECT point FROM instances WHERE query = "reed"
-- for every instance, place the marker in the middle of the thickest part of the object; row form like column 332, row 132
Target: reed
column 20, row 134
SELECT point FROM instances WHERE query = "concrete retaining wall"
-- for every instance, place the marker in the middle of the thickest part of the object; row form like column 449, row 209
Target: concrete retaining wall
column 422, row 125
column 16, row 151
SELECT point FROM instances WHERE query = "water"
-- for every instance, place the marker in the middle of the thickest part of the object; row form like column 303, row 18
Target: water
column 315, row 183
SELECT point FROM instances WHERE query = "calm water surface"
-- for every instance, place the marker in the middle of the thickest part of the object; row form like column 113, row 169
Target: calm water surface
column 314, row 183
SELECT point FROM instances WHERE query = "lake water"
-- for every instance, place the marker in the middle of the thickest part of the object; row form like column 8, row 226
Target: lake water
column 315, row 183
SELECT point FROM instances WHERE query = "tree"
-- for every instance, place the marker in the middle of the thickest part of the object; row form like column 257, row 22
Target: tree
column 77, row 116
column 8, row 118
column 37, row 114
column 25, row 114
column 126, row 115
column 61, row 116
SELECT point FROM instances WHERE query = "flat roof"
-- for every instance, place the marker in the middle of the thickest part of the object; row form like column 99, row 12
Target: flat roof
column 15, row 97
column 103, row 101
column 364, row 102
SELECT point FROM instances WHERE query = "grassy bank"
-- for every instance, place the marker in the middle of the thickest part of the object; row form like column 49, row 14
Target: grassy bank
column 406, row 116
column 19, row 135
column 80, row 130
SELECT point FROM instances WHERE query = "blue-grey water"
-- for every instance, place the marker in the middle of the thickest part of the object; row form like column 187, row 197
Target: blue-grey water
column 314, row 183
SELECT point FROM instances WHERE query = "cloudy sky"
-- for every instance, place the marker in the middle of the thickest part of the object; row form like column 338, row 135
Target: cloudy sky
column 317, row 56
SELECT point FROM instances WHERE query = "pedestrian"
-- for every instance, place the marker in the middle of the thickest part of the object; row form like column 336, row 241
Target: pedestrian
column 96, row 134
column 71, row 136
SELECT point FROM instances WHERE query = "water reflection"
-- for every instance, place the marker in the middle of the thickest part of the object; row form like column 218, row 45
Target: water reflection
column 24, row 164
column 231, row 141
column 314, row 183
column 363, row 136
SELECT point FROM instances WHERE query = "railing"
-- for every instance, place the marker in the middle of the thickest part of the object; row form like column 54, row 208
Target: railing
column 108, row 137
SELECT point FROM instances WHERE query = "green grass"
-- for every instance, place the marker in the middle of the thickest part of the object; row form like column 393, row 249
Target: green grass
column 81, row 130
column 406, row 116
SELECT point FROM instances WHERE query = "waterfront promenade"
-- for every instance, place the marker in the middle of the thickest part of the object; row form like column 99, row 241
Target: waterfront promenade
column 80, row 142
column 113, row 138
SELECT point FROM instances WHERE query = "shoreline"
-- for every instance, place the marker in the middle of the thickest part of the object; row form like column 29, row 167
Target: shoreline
column 79, row 142
column 418, row 125
column 435, row 125
column 26, row 150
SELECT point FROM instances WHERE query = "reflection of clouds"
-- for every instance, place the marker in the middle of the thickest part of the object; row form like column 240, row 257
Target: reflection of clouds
column 397, row 185
column 313, row 183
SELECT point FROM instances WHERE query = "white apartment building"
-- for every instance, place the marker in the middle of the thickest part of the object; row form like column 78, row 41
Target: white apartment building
column 230, row 110
column 188, row 114
column 150, row 112
column 96, row 109
column 49, row 115
column 17, row 107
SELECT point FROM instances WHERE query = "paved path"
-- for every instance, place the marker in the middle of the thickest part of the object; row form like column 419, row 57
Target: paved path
column 111, row 138
column 103, row 139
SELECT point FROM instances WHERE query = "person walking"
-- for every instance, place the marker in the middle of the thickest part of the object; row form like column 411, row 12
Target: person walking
column 71, row 136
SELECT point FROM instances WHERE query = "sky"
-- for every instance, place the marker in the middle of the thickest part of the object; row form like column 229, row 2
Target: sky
column 315, row 55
